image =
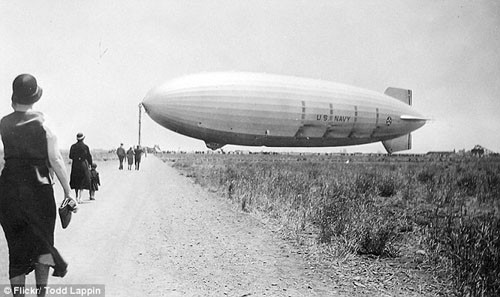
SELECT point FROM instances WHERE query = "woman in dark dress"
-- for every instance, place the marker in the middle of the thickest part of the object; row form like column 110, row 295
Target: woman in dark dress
column 130, row 158
column 27, row 205
column 81, row 158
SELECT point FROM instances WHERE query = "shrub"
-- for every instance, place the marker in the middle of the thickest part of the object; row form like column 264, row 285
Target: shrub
column 365, row 182
column 488, row 188
column 426, row 175
column 473, row 246
column 467, row 183
column 377, row 238
column 327, row 215
column 386, row 187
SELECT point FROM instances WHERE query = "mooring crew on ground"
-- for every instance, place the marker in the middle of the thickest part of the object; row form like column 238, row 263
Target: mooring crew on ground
column 81, row 158
column 27, row 206
column 121, row 155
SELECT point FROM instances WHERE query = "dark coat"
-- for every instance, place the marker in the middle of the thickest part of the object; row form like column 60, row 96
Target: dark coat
column 138, row 154
column 120, row 152
column 81, row 158
column 130, row 156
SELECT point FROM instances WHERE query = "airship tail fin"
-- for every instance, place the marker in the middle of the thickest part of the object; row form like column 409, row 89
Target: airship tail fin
column 401, row 143
column 403, row 95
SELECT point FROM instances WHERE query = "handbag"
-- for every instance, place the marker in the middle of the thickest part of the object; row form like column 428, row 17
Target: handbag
column 65, row 211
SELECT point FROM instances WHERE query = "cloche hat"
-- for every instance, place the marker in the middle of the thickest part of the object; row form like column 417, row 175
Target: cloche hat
column 25, row 89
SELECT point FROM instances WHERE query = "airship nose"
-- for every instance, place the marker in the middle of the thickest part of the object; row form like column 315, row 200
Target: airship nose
column 148, row 102
column 154, row 105
column 165, row 108
column 153, row 101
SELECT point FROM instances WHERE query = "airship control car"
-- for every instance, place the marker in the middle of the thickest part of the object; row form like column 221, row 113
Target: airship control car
column 255, row 109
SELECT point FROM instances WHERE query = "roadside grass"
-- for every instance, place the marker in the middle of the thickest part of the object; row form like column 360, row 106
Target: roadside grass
column 444, row 214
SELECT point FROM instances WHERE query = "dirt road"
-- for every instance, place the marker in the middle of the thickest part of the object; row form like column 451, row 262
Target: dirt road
column 154, row 233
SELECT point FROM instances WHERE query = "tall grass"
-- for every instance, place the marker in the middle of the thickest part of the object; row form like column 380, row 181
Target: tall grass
column 448, row 211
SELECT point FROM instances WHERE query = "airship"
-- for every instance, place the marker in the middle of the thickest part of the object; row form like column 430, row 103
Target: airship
column 259, row 109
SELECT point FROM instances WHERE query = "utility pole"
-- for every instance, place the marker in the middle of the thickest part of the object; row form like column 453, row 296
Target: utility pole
column 140, row 114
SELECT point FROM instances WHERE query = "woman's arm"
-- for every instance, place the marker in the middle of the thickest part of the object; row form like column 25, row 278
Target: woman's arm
column 89, row 156
column 57, row 162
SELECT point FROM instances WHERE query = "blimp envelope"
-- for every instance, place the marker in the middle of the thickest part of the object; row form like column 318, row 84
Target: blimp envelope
column 256, row 109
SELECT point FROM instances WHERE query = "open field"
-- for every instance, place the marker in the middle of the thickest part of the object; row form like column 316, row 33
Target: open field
column 289, row 225
column 433, row 214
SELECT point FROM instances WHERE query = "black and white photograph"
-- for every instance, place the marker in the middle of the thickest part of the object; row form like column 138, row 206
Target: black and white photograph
column 249, row 148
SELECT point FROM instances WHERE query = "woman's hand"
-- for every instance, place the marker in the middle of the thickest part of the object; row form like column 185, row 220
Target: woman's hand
column 72, row 203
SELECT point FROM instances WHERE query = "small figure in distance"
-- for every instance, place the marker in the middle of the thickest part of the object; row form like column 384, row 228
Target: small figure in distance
column 121, row 155
column 27, row 204
column 130, row 158
column 81, row 158
column 138, row 155
column 95, row 181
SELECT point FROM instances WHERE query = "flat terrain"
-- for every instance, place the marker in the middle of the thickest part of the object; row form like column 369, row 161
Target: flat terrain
column 154, row 232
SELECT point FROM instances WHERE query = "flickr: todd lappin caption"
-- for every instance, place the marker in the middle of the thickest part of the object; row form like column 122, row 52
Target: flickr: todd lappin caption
column 59, row 290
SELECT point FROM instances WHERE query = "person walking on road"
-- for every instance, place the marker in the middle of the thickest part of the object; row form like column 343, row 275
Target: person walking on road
column 138, row 154
column 81, row 158
column 130, row 158
column 121, row 155
column 95, row 181
column 27, row 204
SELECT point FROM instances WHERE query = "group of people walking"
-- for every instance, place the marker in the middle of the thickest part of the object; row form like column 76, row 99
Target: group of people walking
column 27, row 203
column 84, row 175
column 132, row 155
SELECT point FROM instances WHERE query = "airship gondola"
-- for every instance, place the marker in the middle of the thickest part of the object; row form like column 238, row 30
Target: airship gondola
column 255, row 109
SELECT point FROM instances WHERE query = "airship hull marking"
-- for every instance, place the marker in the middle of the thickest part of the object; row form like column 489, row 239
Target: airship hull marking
column 216, row 136
column 310, row 133
column 279, row 119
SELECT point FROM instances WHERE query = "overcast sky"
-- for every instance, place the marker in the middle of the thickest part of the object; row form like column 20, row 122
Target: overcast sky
column 96, row 60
